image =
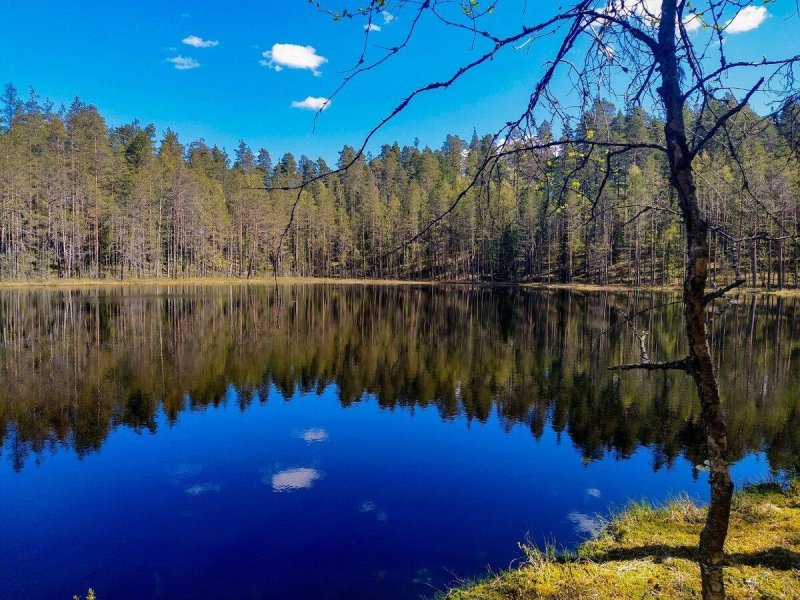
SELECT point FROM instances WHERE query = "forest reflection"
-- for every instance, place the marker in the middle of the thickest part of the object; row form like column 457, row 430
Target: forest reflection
column 74, row 365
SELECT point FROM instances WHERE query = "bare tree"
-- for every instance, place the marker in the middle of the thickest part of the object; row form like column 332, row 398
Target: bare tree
column 665, row 55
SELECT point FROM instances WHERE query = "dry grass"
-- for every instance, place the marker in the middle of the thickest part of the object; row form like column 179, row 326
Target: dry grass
column 78, row 283
column 195, row 281
column 590, row 287
column 650, row 553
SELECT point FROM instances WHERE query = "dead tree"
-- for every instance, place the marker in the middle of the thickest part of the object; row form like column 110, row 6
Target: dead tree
column 665, row 55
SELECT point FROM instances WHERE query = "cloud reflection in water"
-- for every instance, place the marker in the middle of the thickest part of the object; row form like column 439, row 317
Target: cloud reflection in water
column 584, row 523
column 202, row 488
column 293, row 479
column 314, row 435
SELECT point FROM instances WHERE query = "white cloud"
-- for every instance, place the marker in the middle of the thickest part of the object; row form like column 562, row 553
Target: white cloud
column 747, row 19
column 608, row 51
column 293, row 56
column 293, row 479
column 312, row 103
column 314, row 435
column 648, row 11
column 387, row 17
column 692, row 23
column 593, row 492
column 183, row 63
column 372, row 27
column 651, row 8
column 198, row 42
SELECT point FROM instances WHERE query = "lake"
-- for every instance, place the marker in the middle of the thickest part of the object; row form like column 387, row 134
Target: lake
column 351, row 441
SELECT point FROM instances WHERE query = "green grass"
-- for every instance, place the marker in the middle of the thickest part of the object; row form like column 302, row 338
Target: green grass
column 648, row 552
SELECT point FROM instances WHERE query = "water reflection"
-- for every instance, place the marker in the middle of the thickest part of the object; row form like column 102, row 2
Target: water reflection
column 293, row 479
column 74, row 365
column 585, row 524
column 187, row 470
column 202, row 488
column 314, row 435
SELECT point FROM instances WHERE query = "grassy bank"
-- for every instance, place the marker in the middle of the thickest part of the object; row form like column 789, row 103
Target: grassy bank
column 589, row 287
column 650, row 553
column 77, row 283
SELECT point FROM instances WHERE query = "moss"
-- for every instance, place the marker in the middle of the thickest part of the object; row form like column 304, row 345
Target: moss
column 648, row 552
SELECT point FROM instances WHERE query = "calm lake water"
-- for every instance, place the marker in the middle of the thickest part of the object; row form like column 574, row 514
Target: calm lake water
column 354, row 442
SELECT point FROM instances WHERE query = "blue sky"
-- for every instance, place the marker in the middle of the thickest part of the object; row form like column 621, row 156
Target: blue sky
column 117, row 56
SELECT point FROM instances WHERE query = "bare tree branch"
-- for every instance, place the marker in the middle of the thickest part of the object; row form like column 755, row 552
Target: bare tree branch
column 670, row 365
column 711, row 296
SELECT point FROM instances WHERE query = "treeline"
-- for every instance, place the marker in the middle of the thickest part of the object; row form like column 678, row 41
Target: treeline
column 81, row 199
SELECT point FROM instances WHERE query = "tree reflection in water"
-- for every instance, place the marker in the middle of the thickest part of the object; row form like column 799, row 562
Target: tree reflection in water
column 76, row 364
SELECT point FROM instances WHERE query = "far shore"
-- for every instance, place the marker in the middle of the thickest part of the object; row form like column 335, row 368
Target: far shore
column 78, row 283
column 73, row 283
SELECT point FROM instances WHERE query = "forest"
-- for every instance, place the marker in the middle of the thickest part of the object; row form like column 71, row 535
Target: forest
column 81, row 199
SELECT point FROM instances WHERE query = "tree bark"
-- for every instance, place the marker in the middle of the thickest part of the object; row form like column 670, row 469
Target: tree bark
column 701, row 366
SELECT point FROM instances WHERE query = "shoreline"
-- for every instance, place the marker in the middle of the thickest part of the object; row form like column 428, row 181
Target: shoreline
column 79, row 283
column 647, row 552
column 200, row 281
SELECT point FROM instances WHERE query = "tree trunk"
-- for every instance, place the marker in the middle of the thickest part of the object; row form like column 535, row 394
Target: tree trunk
column 701, row 367
column 712, row 538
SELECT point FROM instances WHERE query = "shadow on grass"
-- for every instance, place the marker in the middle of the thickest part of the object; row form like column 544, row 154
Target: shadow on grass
column 777, row 558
